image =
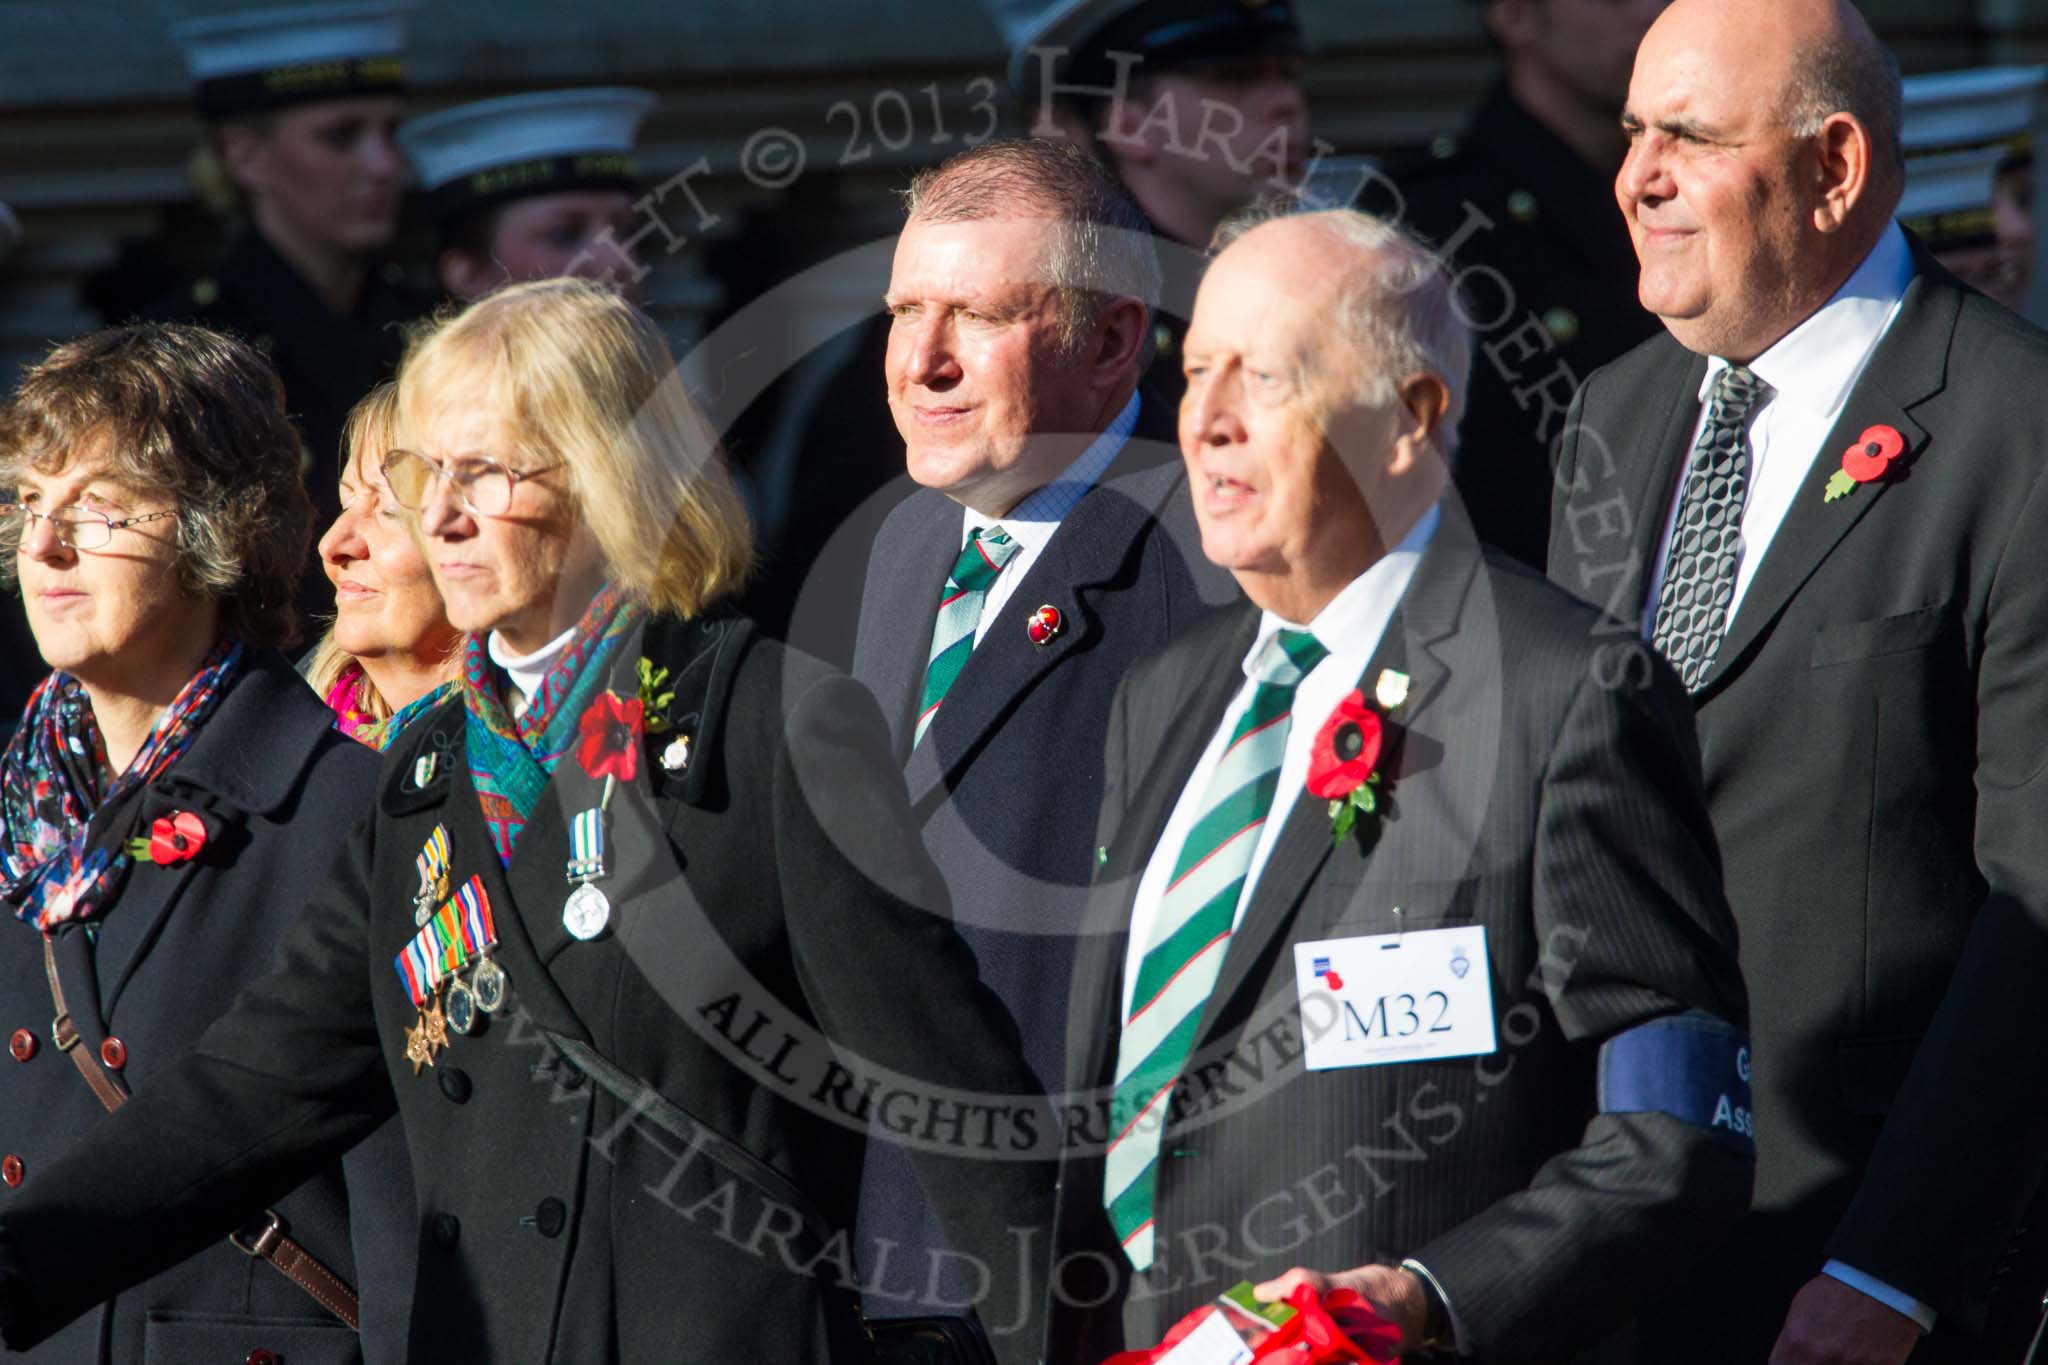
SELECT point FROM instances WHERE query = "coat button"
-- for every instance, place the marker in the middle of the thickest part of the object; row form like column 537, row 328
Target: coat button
column 22, row 1044
column 455, row 1084
column 549, row 1216
column 114, row 1053
column 262, row 1356
column 11, row 1170
column 447, row 1229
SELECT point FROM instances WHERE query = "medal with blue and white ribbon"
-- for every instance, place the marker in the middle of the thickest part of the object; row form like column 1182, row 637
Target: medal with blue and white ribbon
column 433, row 869
column 587, row 911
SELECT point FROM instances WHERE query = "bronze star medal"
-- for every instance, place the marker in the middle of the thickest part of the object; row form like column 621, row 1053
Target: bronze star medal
column 417, row 1050
column 434, row 1026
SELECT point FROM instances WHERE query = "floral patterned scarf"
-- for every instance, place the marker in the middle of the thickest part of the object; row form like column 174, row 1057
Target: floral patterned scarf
column 510, row 761
column 62, row 854
column 353, row 718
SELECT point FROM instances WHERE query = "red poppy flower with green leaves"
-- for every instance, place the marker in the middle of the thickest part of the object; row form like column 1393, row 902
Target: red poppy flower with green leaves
column 1343, row 767
column 1866, row 461
column 174, row 838
column 609, row 743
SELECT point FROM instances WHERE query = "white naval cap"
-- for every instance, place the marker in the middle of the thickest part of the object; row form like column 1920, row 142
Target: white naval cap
column 1164, row 34
column 1960, row 129
column 267, row 59
column 477, row 155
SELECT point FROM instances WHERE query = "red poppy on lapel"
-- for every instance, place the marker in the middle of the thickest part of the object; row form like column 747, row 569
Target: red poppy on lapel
column 1343, row 765
column 610, row 743
column 1865, row 461
column 1043, row 624
column 173, row 838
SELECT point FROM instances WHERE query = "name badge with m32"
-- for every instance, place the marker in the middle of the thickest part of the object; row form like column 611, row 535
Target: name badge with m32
column 1408, row 997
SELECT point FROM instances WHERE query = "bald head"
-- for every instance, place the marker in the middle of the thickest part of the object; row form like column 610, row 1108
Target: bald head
column 1763, row 164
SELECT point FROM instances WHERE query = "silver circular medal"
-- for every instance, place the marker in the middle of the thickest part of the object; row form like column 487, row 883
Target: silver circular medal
column 586, row 912
column 460, row 1008
column 489, row 983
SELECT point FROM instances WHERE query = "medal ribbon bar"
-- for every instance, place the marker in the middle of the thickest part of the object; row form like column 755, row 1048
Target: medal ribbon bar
column 462, row 931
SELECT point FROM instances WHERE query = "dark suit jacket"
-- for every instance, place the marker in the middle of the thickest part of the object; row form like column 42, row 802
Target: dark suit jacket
column 770, row 922
column 1561, row 815
column 156, row 970
column 1007, row 781
column 1872, row 736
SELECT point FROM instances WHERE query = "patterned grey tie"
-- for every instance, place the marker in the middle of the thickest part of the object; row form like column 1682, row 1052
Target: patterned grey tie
column 1706, row 542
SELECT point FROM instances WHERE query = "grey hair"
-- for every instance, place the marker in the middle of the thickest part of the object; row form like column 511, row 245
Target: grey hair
column 1101, row 248
column 1852, row 73
column 1399, row 312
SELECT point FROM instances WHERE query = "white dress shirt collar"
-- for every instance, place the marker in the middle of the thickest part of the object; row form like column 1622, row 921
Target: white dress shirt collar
column 1349, row 626
column 1032, row 522
column 1353, row 621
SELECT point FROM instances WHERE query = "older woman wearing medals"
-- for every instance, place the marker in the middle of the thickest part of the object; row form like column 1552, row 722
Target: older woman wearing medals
column 390, row 656
column 156, row 523
column 673, row 868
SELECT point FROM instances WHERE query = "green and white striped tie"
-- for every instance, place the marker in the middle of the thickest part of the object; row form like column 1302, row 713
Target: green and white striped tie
column 1190, row 934
column 959, row 615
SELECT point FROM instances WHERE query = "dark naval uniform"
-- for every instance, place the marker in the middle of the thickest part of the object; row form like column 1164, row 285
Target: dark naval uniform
column 142, row 984
column 647, row 1153
column 327, row 362
column 1180, row 271
column 1563, row 248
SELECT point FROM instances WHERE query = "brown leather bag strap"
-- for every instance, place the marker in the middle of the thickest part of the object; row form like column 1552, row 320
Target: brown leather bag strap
column 268, row 1242
column 64, row 1033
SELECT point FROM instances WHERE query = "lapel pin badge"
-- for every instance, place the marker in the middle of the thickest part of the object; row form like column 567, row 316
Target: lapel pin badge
column 676, row 756
column 1045, row 623
column 423, row 770
column 1391, row 689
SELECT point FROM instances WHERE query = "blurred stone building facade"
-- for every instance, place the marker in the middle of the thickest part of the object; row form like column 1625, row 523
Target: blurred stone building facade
column 784, row 126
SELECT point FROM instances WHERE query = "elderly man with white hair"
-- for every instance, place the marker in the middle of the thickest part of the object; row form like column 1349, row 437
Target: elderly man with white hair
column 1411, row 972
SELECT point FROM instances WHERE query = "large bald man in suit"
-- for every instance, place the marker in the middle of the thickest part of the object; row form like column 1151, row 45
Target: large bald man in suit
column 1821, row 496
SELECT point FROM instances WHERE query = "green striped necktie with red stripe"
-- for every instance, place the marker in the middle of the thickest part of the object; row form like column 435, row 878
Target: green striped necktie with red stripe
column 959, row 616
column 1191, row 932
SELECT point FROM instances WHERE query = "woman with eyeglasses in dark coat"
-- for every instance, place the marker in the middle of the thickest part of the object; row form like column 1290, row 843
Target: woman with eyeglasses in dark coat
column 638, row 932
column 169, row 788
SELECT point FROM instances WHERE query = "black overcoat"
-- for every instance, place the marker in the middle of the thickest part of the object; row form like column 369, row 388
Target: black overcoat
column 769, row 895
column 162, row 964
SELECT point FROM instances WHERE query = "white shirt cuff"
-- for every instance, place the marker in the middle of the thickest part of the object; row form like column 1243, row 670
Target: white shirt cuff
column 1896, row 1300
column 1450, row 1309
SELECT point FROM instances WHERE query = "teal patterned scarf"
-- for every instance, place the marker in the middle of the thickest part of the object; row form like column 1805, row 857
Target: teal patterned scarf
column 511, row 761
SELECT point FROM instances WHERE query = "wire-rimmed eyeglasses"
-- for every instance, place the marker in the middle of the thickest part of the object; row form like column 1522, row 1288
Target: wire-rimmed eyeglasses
column 80, row 528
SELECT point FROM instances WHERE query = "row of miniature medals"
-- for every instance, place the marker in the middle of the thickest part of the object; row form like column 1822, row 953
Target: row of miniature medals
column 447, row 968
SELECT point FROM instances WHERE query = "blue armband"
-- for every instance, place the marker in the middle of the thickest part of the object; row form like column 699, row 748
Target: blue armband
column 1691, row 1066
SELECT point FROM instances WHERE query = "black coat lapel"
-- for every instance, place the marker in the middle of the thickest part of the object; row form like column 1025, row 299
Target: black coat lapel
column 899, row 605
column 450, row 798
column 1657, row 477
column 225, row 780
column 1427, row 614
column 1910, row 365
column 1088, row 549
